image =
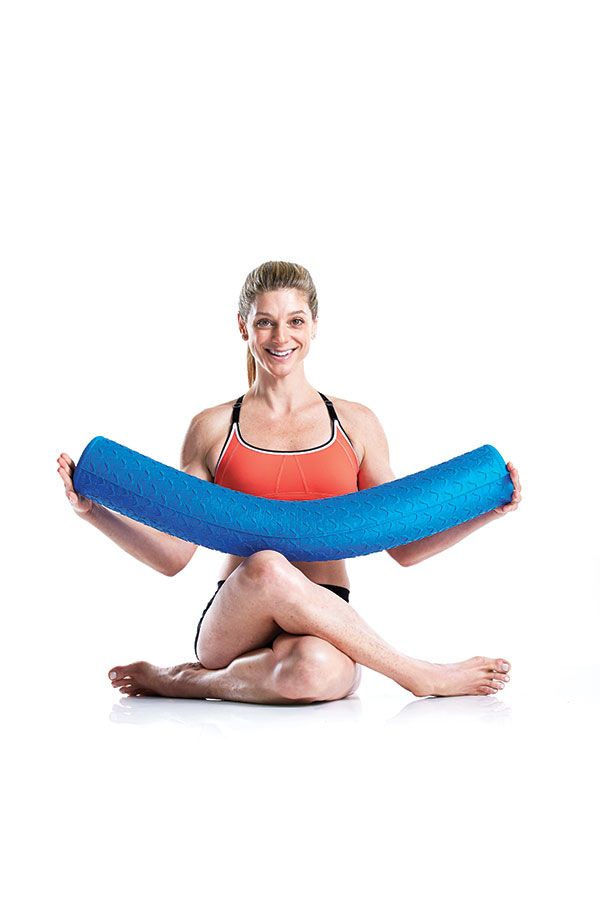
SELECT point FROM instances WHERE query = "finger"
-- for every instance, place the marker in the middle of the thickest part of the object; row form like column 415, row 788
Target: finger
column 66, row 478
column 65, row 465
column 514, row 477
column 68, row 459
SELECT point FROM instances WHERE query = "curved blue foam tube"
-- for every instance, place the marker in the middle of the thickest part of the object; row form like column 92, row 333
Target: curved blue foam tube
column 356, row 524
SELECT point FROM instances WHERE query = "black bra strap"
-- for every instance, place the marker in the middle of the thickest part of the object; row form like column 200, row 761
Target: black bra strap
column 330, row 407
column 235, row 416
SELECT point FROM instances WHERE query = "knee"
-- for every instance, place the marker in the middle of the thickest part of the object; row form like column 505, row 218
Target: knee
column 312, row 669
column 268, row 568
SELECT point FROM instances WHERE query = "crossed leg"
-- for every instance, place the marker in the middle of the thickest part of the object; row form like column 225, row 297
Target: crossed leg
column 245, row 655
column 317, row 643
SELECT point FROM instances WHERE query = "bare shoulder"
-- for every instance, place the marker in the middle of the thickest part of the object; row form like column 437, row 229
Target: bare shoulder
column 360, row 422
column 355, row 414
column 213, row 417
column 204, row 431
column 368, row 436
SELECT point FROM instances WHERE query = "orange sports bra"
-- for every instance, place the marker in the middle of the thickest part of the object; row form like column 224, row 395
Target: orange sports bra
column 325, row 471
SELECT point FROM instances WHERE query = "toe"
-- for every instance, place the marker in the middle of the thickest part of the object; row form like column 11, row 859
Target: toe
column 118, row 673
column 502, row 665
column 128, row 688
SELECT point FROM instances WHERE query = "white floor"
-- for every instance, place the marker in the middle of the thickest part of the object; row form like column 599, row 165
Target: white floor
column 376, row 795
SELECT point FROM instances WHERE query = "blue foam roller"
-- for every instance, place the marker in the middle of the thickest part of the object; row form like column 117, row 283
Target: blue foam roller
column 394, row 513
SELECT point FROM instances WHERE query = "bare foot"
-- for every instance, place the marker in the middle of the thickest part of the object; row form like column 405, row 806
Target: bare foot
column 478, row 675
column 141, row 679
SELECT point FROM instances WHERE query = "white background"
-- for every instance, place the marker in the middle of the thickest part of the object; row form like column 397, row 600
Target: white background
column 434, row 166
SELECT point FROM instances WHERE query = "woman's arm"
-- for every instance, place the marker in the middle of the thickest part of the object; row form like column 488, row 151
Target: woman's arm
column 417, row 551
column 375, row 466
column 375, row 469
column 156, row 549
column 163, row 552
column 429, row 546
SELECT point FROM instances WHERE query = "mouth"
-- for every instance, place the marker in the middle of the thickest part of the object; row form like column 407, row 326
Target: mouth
column 277, row 354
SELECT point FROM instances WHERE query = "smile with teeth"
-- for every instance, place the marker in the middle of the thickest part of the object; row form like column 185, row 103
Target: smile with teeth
column 280, row 354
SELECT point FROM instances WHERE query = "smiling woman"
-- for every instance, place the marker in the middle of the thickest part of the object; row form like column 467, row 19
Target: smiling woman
column 281, row 630
column 259, row 322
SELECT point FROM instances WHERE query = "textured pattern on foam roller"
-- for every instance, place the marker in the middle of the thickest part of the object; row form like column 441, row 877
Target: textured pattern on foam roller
column 356, row 524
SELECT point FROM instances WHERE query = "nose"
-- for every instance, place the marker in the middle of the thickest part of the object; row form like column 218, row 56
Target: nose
column 280, row 334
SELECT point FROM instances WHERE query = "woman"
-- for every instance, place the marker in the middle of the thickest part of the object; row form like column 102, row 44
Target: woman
column 276, row 631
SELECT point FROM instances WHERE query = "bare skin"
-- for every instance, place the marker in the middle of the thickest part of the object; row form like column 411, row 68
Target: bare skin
column 190, row 680
column 273, row 634
column 289, row 601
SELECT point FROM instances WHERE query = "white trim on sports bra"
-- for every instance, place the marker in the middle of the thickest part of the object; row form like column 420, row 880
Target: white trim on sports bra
column 235, row 428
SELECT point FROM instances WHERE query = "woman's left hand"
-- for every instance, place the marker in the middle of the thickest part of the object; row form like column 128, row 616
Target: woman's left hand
column 516, row 497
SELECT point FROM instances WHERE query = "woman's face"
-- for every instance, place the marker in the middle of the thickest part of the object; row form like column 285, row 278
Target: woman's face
column 279, row 329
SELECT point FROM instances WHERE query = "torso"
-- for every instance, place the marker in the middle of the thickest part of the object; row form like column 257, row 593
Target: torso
column 310, row 427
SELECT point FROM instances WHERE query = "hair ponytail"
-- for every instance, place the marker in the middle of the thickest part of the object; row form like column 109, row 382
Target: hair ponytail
column 251, row 367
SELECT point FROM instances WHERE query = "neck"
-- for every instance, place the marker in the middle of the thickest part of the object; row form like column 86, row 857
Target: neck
column 282, row 395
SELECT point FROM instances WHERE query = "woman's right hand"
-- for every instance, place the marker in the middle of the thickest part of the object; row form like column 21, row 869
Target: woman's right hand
column 66, row 467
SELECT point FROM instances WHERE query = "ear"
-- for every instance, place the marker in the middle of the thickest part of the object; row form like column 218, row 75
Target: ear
column 314, row 328
column 242, row 327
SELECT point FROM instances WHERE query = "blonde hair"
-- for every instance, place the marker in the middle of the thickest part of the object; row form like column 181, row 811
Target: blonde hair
column 271, row 276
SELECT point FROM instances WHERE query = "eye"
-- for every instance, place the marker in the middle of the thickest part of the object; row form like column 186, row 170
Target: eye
column 268, row 321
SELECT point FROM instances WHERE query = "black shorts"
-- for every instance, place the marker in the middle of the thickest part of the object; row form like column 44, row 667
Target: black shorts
column 342, row 592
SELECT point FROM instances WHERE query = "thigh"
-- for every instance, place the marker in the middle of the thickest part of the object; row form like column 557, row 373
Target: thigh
column 235, row 622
